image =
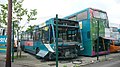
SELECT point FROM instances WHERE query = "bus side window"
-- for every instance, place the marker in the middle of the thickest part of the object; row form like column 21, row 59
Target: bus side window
column 30, row 36
column 36, row 36
column 40, row 35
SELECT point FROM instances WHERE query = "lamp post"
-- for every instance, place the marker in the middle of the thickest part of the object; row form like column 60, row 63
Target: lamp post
column 56, row 40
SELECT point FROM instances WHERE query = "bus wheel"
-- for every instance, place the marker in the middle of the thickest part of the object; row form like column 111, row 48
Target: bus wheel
column 51, row 56
column 37, row 50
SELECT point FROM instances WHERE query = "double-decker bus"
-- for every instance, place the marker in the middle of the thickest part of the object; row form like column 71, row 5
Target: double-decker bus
column 89, row 18
column 42, row 41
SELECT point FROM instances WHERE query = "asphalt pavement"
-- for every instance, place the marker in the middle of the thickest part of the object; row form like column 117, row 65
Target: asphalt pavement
column 110, row 63
column 29, row 60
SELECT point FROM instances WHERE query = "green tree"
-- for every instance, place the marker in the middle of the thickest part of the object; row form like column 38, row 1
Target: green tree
column 18, row 12
column 30, row 28
column 3, row 14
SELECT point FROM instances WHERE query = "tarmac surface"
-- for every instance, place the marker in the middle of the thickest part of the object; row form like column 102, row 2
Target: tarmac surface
column 28, row 60
column 110, row 63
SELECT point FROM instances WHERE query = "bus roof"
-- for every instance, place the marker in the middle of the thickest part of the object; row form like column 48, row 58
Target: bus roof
column 83, row 11
column 51, row 21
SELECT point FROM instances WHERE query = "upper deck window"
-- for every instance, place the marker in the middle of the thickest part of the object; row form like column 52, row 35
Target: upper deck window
column 82, row 16
column 72, row 18
column 98, row 14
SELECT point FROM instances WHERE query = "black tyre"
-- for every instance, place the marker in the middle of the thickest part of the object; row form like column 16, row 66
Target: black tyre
column 37, row 50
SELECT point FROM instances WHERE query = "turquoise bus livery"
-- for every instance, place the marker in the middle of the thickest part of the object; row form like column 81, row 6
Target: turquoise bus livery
column 89, row 19
column 42, row 41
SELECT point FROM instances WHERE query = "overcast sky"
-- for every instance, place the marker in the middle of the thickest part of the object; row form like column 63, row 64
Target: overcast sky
column 49, row 8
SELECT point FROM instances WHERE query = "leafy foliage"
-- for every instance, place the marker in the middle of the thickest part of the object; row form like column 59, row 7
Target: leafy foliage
column 31, row 28
column 18, row 12
column 32, row 13
column 3, row 14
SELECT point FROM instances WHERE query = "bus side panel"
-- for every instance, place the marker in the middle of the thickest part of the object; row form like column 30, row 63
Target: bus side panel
column 86, row 38
column 28, row 46
column 40, row 49
column 38, row 44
